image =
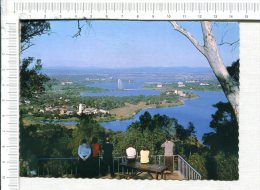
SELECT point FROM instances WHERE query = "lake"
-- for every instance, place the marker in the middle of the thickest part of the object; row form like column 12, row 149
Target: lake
column 129, row 92
column 133, row 88
column 198, row 111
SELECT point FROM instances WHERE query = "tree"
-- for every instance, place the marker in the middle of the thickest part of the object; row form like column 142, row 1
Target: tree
column 210, row 51
column 225, row 135
column 31, row 80
column 146, row 121
column 234, row 71
column 199, row 162
column 87, row 129
column 191, row 129
column 226, row 166
column 30, row 29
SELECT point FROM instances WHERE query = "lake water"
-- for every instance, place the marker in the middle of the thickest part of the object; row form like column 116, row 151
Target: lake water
column 113, row 85
column 129, row 92
column 133, row 88
column 198, row 111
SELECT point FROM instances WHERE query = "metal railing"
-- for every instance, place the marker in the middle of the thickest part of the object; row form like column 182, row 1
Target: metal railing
column 68, row 167
column 187, row 170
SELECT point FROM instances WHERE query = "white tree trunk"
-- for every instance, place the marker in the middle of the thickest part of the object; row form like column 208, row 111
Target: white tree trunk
column 210, row 51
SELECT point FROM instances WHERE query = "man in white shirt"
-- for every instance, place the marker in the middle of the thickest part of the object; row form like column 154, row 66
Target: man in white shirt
column 131, row 153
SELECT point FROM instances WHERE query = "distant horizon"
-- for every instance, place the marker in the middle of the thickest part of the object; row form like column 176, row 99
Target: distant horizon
column 141, row 67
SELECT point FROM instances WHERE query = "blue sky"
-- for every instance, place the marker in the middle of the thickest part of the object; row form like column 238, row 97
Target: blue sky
column 124, row 44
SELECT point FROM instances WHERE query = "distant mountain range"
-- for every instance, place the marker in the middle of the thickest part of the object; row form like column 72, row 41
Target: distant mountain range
column 96, row 70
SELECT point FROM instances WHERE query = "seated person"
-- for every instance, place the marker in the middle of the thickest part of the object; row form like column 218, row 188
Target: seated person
column 144, row 154
column 131, row 153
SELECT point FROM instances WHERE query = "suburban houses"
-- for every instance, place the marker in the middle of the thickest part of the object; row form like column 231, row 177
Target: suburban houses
column 83, row 109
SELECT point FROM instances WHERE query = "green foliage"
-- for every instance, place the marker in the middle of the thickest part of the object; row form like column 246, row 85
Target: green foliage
column 198, row 161
column 225, row 135
column 149, row 131
column 226, row 166
column 88, row 129
column 234, row 71
column 32, row 82
column 213, row 86
column 30, row 29
column 191, row 130
column 48, row 140
column 222, row 160
column 152, row 132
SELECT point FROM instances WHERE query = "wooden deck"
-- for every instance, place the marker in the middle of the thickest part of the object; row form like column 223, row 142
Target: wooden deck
column 174, row 176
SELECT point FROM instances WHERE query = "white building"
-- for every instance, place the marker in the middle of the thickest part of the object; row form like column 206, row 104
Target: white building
column 81, row 108
column 159, row 86
column 103, row 111
column 180, row 93
column 204, row 84
column 69, row 113
column 190, row 81
column 181, row 84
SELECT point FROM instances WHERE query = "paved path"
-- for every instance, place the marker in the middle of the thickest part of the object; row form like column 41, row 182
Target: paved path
column 174, row 176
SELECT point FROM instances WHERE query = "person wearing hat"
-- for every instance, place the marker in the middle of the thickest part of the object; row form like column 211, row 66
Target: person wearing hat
column 84, row 153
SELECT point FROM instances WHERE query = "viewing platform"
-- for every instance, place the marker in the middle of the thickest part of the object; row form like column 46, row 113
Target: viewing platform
column 68, row 168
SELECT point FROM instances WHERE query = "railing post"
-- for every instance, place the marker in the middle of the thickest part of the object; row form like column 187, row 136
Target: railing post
column 182, row 163
column 99, row 168
column 178, row 163
column 71, row 167
column 118, row 164
column 76, row 169
column 186, row 171
column 173, row 163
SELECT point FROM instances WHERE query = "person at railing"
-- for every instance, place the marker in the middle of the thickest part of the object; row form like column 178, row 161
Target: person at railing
column 95, row 157
column 144, row 155
column 131, row 154
column 168, row 146
column 84, row 152
column 108, row 157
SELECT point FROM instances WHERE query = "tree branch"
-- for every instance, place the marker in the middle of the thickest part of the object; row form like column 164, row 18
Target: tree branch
column 80, row 27
column 228, row 43
column 79, row 30
column 26, row 46
column 189, row 36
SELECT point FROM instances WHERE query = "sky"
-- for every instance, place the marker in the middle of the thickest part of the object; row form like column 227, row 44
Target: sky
column 126, row 44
